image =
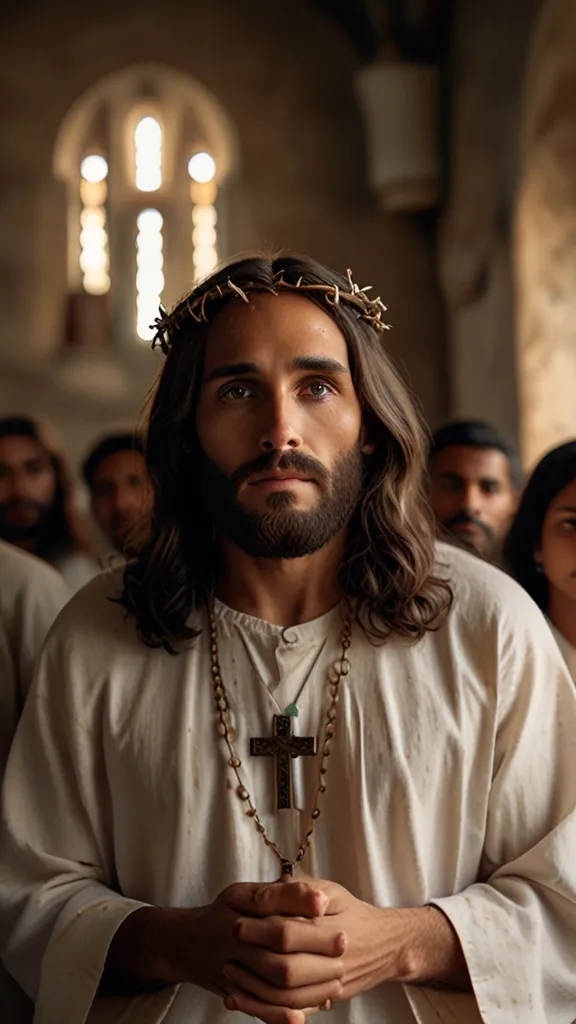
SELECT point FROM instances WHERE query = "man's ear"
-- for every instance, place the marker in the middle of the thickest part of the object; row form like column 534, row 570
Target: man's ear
column 366, row 445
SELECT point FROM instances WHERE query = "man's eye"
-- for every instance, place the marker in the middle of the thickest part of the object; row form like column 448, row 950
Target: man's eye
column 318, row 389
column 235, row 391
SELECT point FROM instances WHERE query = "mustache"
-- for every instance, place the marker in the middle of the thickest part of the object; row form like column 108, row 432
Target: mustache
column 283, row 461
column 469, row 519
column 21, row 503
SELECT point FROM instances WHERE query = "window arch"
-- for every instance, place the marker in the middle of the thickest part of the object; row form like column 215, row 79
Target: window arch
column 146, row 154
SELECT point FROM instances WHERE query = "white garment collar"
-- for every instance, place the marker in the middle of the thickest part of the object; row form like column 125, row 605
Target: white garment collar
column 305, row 632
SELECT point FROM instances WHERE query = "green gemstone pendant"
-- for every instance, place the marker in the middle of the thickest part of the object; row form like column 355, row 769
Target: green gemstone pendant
column 292, row 711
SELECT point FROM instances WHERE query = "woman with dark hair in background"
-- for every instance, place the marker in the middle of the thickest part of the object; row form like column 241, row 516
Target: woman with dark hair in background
column 540, row 550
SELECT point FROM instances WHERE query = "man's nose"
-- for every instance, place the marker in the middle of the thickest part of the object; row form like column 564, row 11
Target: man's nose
column 19, row 487
column 472, row 500
column 280, row 427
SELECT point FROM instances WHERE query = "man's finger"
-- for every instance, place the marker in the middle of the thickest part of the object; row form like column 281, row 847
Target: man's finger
column 292, row 998
column 338, row 898
column 299, row 899
column 294, row 971
column 289, row 935
column 269, row 1014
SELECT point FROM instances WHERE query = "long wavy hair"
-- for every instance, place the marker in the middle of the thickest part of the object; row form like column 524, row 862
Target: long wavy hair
column 62, row 531
column 388, row 568
column 552, row 474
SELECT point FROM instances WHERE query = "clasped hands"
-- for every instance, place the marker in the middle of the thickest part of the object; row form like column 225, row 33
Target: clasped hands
column 284, row 951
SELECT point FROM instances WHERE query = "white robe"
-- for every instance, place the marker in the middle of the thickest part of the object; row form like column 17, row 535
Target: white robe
column 451, row 781
column 31, row 595
column 78, row 569
column 568, row 651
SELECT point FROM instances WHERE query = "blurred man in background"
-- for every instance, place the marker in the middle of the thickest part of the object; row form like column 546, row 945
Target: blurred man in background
column 475, row 478
column 37, row 508
column 120, row 493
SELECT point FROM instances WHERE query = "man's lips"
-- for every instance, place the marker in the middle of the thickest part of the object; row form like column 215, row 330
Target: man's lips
column 465, row 528
column 281, row 477
column 279, row 481
column 21, row 514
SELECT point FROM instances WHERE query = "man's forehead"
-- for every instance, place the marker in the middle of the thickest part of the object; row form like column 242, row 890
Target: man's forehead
column 273, row 328
column 470, row 460
column 19, row 446
column 125, row 460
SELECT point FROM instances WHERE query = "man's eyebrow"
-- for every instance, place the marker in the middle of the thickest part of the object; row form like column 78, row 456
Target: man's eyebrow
column 314, row 364
column 319, row 364
column 451, row 476
column 566, row 508
column 231, row 370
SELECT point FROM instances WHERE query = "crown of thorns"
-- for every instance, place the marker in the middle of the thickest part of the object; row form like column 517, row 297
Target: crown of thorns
column 166, row 325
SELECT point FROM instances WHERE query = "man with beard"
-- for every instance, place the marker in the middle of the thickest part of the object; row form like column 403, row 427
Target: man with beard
column 161, row 859
column 475, row 483
column 116, row 475
column 37, row 509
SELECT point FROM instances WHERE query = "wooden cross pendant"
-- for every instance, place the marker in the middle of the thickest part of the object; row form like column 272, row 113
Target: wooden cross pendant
column 283, row 746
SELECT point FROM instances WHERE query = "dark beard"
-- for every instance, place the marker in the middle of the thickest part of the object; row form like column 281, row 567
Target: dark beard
column 281, row 531
column 15, row 533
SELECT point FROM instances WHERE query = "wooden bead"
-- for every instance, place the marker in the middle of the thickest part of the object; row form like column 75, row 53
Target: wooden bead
column 331, row 714
column 342, row 667
column 322, row 789
column 316, row 812
column 221, row 729
column 243, row 793
column 235, row 762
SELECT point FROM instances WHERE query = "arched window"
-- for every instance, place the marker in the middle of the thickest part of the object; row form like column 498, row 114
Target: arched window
column 145, row 155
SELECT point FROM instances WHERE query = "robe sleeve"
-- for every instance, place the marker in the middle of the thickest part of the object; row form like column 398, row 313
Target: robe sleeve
column 517, row 924
column 59, row 908
column 28, row 608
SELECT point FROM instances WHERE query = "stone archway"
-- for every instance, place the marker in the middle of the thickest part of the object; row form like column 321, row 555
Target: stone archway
column 545, row 237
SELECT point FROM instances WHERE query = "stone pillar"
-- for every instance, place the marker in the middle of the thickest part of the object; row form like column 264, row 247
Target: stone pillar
column 489, row 48
column 546, row 237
